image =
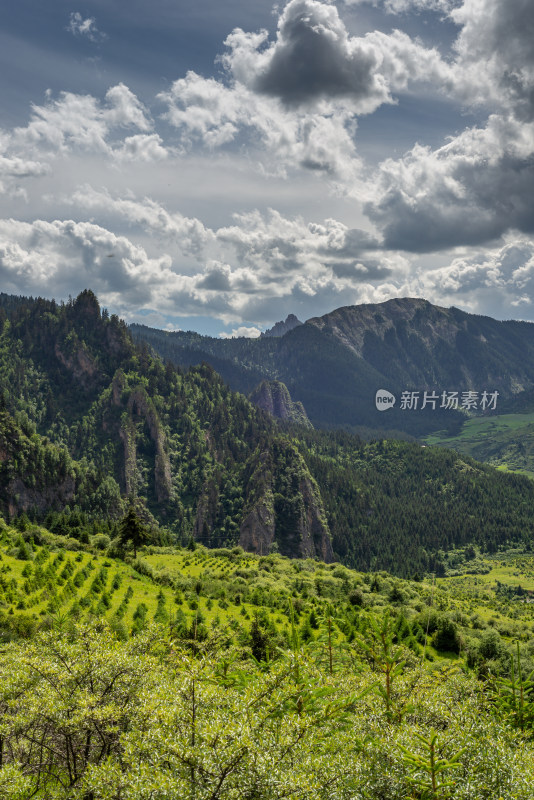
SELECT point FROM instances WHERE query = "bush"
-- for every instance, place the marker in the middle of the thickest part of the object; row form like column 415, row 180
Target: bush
column 356, row 597
column 446, row 639
column 101, row 541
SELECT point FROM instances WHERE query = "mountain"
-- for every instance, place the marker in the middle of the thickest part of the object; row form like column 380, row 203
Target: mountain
column 281, row 328
column 335, row 364
column 414, row 343
column 92, row 422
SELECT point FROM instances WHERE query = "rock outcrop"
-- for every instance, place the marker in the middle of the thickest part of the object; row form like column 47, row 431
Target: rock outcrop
column 284, row 507
column 139, row 405
column 78, row 362
column 257, row 530
column 207, row 511
column 274, row 397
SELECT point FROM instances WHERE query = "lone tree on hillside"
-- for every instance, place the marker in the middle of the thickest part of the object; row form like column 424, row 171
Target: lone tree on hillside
column 132, row 530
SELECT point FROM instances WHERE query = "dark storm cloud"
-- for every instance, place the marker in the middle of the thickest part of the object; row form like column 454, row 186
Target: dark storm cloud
column 470, row 191
column 498, row 36
column 313, row 58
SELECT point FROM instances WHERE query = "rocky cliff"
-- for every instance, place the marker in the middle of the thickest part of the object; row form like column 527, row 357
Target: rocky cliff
column 274, row 398
column 284, row 510
column 139, row 407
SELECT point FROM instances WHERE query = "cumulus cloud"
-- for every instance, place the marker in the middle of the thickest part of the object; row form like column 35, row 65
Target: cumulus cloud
column 87, row 27
column 278, row 246
column 142, row 147
column 497, row 281
column 191, row 235
column 495, row 61
column 266, row 263
column 208, row 112
column 72, row 255
column 22, row 168
column 242, row 332
column 81, row 121
column 294, row 101
column 14, row 169
column 265, row 245
column 478, row 185
column 471, row 190
column 314, row 59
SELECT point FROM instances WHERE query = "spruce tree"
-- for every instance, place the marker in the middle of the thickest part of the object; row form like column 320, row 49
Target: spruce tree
column 132, row 530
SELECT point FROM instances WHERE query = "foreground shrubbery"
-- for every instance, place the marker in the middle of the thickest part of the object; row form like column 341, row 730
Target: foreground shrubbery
column 86, row 717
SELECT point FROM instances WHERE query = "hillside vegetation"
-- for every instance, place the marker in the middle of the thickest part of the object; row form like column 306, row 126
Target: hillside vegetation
column 505, row 440
column 195, row 673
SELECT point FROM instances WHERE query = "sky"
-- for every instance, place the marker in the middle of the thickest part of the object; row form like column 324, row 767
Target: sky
column 215, row 166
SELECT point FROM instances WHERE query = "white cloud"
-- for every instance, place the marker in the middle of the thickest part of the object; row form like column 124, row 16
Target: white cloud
column 266, row 246
column 206, row 111
column 190, row 234
column 87, row 27
column 242, row 331
column 21, row 168
column 315, row 61
column 497, row 281
column 471, row 190
column 72, row 255
column 293, row 102
column 495, row 55
column 125, row 109
column 81, row 121
column 142, row 147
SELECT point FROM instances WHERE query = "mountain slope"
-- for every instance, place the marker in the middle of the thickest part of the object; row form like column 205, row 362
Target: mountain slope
column 205, row 463
column 424, row 346
column 335, row 364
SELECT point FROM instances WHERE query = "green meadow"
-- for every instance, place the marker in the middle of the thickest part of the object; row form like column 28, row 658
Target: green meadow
column 506, row 441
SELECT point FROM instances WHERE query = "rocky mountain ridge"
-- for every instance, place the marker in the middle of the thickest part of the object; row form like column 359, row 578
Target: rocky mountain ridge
column 335, row 364
column 283, row 327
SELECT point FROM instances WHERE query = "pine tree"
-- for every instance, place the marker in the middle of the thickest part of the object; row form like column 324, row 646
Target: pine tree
column 132, row 530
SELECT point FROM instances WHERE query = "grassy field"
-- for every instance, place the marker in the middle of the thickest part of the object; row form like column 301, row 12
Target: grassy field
column 498, row 598
column 225, row 590
column 506, row 441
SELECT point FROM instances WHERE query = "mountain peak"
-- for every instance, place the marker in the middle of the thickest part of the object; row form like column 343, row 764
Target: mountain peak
column 281, row 328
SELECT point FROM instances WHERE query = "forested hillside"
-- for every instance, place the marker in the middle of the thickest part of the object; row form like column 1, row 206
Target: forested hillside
column 92, row 422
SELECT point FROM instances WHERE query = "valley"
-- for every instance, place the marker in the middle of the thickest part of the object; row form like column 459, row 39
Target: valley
column 203, row 597
column 504, row 440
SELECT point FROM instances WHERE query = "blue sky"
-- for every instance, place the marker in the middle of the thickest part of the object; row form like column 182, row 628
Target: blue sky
column 216, row 166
